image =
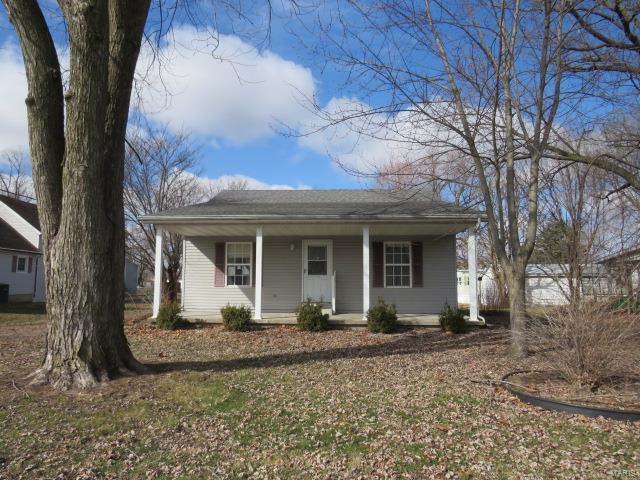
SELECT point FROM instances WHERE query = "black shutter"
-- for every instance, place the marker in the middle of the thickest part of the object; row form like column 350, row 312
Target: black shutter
column 416, row 264
column 378, row 264
column 220, row 273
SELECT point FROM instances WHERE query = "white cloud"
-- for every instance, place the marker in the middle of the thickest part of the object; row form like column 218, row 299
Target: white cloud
column 238, row 99
column 230, row 181
column 13, row 111
column 358, row 138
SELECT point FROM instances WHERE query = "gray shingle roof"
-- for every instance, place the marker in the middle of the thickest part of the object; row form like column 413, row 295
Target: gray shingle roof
column 27, row 210
column 349, row 204
column 10, row 239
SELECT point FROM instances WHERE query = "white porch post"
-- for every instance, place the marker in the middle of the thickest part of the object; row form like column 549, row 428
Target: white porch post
column 257, row 311
column 473, row 275
column 365, row 271
column 157, row 279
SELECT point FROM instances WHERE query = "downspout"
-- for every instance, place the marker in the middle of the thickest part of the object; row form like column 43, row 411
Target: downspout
column 35, row 279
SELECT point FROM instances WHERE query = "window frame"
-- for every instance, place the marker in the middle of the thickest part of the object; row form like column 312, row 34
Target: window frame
column 226, row 264
column 26, row 264
column 326, row 259
column 384, row 254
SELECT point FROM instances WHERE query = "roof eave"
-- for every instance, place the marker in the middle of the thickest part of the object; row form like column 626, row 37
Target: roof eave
column 200, row 219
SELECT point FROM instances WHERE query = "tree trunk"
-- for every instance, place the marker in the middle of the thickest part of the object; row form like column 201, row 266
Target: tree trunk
column 517, row 313
column 78, row 162
column 172, row 284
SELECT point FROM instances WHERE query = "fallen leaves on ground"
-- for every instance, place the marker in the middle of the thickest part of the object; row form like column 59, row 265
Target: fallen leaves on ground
column 276, row 402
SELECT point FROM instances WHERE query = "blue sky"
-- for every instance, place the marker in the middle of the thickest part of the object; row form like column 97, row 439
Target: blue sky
column 236, row 109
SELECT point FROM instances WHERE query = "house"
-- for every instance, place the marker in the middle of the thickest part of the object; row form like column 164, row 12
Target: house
column 545, row 284
column 623, row 270
column 272, row 249
column 21, row 263
column 20, row 250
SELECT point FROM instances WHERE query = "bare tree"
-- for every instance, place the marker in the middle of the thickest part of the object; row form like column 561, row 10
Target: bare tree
column 572, row 217
column 211, row 188
column 483, row 79
column 604, row 50
column 77, row 146
column 15, row 179
column 160, row 173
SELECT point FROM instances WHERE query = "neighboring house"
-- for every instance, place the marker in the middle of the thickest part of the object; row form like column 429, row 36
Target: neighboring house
column 20, row 250
column 272, row 249
column 623, row 269
column 545, row 284
column 21, row 263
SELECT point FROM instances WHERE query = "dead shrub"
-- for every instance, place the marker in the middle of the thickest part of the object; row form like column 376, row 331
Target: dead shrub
column 588, row 344
column 493, row 299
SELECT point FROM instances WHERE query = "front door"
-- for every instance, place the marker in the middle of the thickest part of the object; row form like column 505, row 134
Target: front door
column 317, row 265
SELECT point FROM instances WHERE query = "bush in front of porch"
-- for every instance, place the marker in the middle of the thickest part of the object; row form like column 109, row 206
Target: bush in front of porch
column 311, row 318
column 452, row 320
column 169, row 317
column 382, row 318
column 236, row 318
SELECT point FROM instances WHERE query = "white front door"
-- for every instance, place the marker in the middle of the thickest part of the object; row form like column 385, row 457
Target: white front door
column 317, row 267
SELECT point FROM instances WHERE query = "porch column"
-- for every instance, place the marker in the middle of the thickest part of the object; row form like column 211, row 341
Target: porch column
column 365, row 271
column 473, row 275
column 157, row 279
column 257, row 311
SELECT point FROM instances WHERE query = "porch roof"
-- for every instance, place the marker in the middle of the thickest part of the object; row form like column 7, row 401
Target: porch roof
column 301, row 205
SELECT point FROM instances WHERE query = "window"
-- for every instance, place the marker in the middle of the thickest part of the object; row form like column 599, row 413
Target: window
column 317, row 260
column 397, row 264
column 21, row 265
column 239, row 263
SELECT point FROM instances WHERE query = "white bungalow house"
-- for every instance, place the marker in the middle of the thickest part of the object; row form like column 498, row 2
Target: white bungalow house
column 272, row 249
column 21, row 263
column 20, row 253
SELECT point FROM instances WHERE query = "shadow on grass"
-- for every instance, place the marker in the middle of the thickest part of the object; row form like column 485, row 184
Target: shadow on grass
column 23, row 308
column 408, row 344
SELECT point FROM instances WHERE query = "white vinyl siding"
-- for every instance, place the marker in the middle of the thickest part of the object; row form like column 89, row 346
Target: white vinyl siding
column 282, row 276
column 347, row 261
column 23, row 284
column 439, row 278
column 199, row 290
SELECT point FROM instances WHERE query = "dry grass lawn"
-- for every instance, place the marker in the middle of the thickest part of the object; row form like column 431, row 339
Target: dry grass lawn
column 279, row 403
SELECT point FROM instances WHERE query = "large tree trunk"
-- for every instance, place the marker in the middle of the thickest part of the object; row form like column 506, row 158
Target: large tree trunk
column 78, row 174
column 517, row 313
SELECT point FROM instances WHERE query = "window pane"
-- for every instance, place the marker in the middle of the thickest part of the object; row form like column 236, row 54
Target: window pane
column 238, row 253
column 397, row 265
column 317, row 252
column 239, row 263
column 317, row 267
column 21, row 264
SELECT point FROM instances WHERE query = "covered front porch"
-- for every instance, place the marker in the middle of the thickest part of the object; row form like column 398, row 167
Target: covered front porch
column 338, row 319
column 345, row 266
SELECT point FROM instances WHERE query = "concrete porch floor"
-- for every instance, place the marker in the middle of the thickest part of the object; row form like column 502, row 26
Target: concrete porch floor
column 346, row 319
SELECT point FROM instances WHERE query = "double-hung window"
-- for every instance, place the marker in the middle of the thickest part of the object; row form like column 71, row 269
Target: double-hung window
column 238, row 259
column 397, row 264
column 21, row 265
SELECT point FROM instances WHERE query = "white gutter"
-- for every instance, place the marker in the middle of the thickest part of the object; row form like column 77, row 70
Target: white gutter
column 204, row 219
